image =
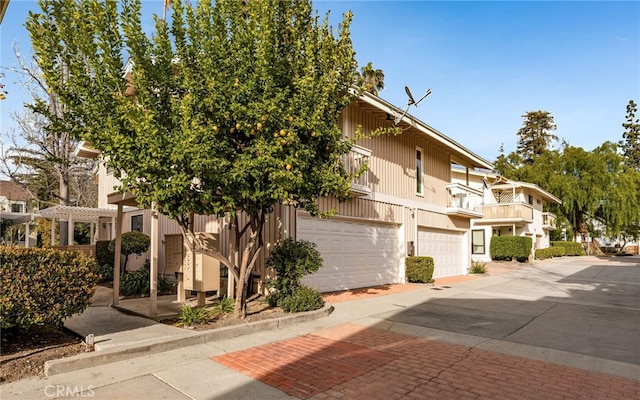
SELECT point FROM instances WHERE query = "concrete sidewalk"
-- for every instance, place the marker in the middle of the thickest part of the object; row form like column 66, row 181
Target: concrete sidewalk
column 516, row 335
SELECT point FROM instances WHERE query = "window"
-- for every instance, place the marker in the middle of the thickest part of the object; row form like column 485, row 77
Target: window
column 16, row 208
column 419, row 184
column 136, row 223
column 531, row 199
column 477, row 242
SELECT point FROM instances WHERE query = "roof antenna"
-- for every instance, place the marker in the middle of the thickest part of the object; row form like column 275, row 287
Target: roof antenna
column 410, row 102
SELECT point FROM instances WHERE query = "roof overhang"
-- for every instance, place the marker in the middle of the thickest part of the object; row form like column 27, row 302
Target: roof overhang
column 85, row 150
column 460, row 154
column 548, row 197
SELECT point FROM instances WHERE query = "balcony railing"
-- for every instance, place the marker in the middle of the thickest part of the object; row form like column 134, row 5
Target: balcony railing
column 352, row 162
column 548, row 220
column 509, row 212
column 462, row 200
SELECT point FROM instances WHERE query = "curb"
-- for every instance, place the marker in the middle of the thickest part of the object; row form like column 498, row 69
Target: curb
column 190, row 338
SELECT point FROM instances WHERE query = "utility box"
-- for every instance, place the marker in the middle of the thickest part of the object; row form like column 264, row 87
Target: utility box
column 203, row 275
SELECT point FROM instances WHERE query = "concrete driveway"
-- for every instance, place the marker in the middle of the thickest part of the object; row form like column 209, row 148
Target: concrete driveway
column 583, row 305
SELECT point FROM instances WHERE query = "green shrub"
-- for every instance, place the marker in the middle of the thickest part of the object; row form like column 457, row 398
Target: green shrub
column 419, row 269
column 511, row 247
column 104, row 272
column 302, row 299
column 224, row 305
column 190, row 316
column 103, row 254
column 549, row 252
column 570, row 248
column 478, row 267
column 43, row 286
column 291, row 260
column 137, row 282
column 133, row 242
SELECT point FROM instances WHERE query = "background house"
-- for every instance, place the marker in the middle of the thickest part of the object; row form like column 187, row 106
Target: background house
column 509, row 208
column 15, row 209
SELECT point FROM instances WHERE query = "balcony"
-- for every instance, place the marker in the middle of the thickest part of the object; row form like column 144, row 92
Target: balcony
column 505, row 213
column 353, row 161
column 548, row 221
column 462, row 200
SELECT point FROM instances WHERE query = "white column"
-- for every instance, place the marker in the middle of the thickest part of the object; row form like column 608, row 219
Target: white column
column 92, row 226
column 26, row 234
column 153, row 280
column 116, row 263
column 70, row 231
column 53, row 232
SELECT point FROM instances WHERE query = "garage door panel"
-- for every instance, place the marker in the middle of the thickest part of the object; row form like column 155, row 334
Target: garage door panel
column 446, row 248
column 355, row 254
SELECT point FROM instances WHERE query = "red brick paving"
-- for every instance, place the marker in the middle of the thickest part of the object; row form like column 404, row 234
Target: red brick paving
column 354, row 362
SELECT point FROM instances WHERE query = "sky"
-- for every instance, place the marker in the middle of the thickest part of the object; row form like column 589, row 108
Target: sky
column 487, row 63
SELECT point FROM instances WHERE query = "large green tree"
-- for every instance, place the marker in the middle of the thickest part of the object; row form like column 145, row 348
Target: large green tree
column 235, row 107
column 536, row 135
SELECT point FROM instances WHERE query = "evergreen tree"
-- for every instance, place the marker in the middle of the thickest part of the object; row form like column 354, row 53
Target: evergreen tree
column 370, row 79
column 630, row 143
column 536, row 135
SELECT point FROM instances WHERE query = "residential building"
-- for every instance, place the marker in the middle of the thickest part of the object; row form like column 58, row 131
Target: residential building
column 405, row 204
column 508, row 208
column 15, row 205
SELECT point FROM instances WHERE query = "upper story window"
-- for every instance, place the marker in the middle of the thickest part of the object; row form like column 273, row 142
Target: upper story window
column 419, row 170
column 136, row 223
column 16, row 208
column 531, row 199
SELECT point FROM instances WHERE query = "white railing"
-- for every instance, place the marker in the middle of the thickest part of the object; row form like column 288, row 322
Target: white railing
column 462, row 197
column 549, row 220
column 521, row 211
column 353, row 161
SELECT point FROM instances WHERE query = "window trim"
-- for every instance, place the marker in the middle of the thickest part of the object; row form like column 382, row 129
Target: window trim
column 474, row 245
column 419, row 171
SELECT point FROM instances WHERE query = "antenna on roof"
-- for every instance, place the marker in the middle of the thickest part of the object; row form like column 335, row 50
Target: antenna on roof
column 410, row 102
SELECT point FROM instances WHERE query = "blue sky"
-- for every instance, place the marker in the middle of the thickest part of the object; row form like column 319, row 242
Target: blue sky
column 486, row 63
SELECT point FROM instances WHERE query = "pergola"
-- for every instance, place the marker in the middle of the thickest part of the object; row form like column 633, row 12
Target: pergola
column 21, row 218
column 76, row 214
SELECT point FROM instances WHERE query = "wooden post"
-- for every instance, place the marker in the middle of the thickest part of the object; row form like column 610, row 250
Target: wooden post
column 153, row 284
column 116, row 262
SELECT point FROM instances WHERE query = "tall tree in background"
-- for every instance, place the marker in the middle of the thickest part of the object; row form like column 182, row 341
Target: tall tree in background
column 370, row 79
column 39, row 156
column 630, row 143
column 235, row 110
column 536, row 135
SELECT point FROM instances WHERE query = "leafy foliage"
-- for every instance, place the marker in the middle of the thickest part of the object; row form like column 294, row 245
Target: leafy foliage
column 291, row 260
column 302, row 299
column 104, row 272
column 223, row 305
column 511, row 247
column 536, row 135
column 419, row 269
column 190, row 316
column 230, row 106
column 104, row 255
column 549, row 252
column 370, row 79
column 570, row 248
column 138, row 281
column 478, row 267
column 43, row 286
column 630, row 143
column 133, row 242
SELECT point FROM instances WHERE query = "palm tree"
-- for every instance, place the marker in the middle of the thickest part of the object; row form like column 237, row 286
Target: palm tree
column 372, row 80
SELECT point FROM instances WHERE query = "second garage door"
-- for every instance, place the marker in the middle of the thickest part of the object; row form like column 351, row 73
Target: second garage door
column 355, row 254
column 447, row 250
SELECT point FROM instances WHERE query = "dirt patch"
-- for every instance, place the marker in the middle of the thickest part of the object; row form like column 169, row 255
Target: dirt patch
column 24, row 352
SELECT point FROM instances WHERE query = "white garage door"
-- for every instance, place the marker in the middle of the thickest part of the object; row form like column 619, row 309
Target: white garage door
column 447, row 249
column 355, row 254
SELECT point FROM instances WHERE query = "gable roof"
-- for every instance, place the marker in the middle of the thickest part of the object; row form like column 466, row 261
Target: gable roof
column 460, row 153
column 13, row 191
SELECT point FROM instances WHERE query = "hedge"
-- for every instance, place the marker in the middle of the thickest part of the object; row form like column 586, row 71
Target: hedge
column 43, row 286
column 103, row 254
column 570, row 248
column 549, row 252
column 511, row 247
column 419, row 269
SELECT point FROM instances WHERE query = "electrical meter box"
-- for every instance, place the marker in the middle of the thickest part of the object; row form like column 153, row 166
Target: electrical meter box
column 203, row 275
